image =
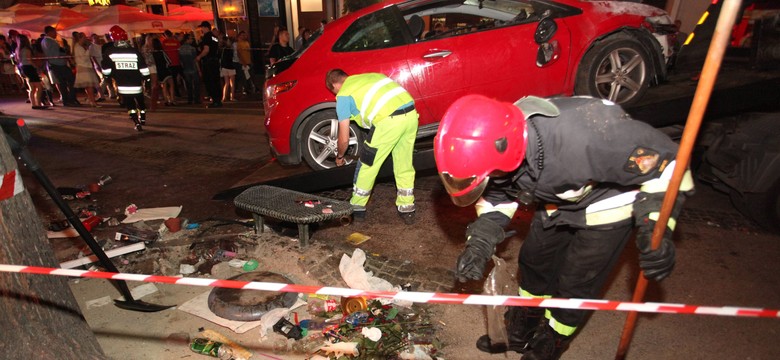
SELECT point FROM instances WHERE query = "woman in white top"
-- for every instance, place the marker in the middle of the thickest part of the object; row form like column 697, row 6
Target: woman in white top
column 86, row 77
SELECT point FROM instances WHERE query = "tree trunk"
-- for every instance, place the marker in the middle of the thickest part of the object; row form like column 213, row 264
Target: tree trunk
column 39, row 316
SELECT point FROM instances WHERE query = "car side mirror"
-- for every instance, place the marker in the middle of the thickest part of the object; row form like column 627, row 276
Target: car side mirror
column 545, row 30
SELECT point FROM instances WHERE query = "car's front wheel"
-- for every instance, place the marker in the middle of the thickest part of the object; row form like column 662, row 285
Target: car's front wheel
column 617, row 69
column 320, row 139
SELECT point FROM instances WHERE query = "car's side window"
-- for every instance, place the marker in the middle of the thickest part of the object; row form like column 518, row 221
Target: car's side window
column 449, row 24
column 378, row 30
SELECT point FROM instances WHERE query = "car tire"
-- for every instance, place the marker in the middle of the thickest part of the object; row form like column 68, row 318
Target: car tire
column 763, row 208
column 617, row 68
column 320, row 137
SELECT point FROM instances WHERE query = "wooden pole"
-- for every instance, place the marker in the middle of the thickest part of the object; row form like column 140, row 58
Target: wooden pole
column 39, row 316
column 709, row 74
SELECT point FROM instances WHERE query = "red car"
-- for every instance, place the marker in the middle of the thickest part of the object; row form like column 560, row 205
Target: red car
column 440, row 50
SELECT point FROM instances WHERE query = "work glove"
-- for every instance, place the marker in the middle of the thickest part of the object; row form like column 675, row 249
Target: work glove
column 657, row 264
column 482, row 236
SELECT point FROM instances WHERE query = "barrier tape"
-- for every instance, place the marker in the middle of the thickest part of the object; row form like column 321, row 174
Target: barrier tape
column 10, row 185
column 418, row 297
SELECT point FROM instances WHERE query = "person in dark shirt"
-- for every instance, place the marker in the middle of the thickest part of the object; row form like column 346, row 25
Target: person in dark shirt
column 190, row 70
column 209, row 63
column 281, row 49
column 107, row 83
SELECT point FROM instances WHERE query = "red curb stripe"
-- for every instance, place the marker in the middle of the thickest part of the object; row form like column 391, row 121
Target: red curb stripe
column 7, row 185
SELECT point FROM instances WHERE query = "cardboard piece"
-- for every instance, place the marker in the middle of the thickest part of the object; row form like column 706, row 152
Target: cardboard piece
column 67, row 233
column 160, row 213
column 110, row 253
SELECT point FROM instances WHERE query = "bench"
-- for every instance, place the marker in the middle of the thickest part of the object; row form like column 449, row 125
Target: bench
column 291, row 206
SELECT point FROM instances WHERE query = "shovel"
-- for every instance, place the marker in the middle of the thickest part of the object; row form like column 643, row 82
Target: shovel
column 19, row 148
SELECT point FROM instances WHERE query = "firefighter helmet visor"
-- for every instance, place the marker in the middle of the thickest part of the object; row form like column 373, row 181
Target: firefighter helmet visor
column 464, row 191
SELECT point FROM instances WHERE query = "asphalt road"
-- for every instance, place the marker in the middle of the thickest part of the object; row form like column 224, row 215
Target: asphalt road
column 188, row 154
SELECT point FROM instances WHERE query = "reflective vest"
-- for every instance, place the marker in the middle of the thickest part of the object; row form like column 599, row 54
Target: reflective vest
column 376, row 96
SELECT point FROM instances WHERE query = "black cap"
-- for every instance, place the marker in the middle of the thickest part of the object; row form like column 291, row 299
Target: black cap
column 205, row 24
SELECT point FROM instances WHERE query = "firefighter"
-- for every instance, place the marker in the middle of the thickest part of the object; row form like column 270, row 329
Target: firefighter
column 386, row 110
column 594, row 172
column 128, row 69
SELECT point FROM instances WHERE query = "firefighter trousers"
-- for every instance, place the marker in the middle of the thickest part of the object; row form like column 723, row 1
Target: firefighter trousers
column 393, row 135
column 566, row 262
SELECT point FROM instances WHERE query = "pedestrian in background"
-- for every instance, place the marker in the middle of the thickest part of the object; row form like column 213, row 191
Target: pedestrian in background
column 86, row 78
column 242, row 61
column 147, row 50
column 190, row 69
column 282, row 48
column 24, row 55
column 171, row 46
column 47, row 96
column 227, row 70
column 59, row 70
column 209, row 64
column 107, row 84
column 96, row 55
column 164, row 76
column 299, row 38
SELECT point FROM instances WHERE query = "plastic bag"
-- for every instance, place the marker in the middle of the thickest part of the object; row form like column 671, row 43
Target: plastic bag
column 500, row 281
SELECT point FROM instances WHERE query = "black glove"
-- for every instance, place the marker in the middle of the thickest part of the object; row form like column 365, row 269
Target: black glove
column 481, row 238
column 657, row 264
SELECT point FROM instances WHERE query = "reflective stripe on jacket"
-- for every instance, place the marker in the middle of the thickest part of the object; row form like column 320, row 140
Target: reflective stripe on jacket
column 376, row 96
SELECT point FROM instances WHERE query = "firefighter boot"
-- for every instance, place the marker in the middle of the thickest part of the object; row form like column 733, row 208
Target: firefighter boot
column 134, row 119
column 142, row 117
column 547, row 344
column 521, row 324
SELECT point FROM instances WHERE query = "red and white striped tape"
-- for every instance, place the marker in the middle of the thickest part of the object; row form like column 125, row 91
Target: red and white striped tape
column 10, row 185
column 418, row 297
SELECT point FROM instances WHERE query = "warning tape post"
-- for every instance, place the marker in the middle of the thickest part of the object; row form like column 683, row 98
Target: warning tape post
column 418, row 297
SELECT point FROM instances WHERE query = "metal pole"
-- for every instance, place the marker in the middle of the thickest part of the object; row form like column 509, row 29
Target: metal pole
column 709, row 74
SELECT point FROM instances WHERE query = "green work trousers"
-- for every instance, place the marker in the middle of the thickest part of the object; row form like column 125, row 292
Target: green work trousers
column 393, row 135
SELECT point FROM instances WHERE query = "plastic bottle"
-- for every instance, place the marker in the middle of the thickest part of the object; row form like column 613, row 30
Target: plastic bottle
column 211, row 348
column 322, row 307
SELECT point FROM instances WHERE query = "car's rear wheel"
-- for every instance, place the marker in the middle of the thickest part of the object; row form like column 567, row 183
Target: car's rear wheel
column 320, row 138
column 617, row 69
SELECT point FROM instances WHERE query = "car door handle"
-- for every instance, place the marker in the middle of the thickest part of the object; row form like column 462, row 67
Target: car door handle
column 438, row 54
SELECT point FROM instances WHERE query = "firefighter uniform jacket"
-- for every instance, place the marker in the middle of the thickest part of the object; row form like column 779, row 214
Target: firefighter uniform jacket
column 585, row 166
column 126, row 66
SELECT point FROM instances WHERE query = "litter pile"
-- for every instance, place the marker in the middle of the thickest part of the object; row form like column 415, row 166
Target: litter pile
column 370, row 330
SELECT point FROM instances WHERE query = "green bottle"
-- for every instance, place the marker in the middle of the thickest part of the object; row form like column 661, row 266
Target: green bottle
column 211, row 348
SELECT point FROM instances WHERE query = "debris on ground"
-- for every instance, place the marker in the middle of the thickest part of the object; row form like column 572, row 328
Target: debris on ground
column 161, row 213
column 357, row 238
column 379, row 332
column 215, row 344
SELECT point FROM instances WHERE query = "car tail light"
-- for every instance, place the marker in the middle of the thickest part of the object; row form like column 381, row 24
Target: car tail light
column 273, row 90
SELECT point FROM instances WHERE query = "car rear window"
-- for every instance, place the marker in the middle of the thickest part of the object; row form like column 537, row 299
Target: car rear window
column 379, row 30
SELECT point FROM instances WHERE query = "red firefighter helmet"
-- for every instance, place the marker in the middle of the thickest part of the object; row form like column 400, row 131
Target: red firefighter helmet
column 477, row 137
column 117, row 33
